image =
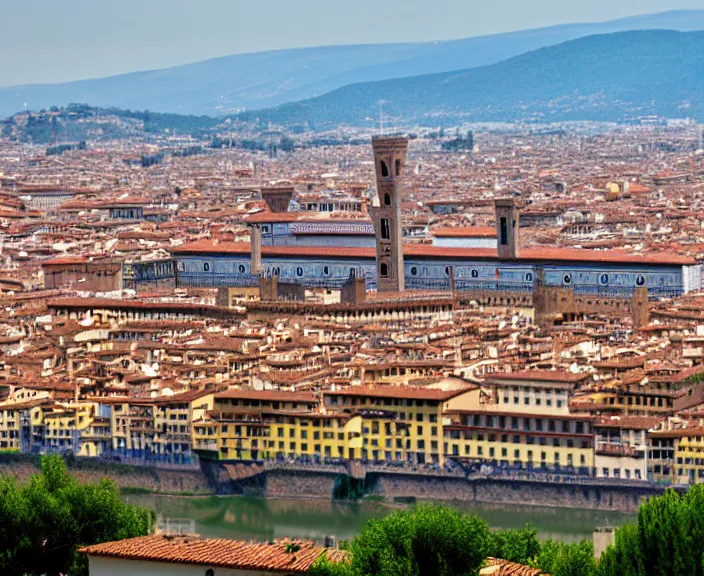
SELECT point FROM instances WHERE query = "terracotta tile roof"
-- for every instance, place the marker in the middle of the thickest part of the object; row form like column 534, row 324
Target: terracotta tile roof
column 465, row 232
column 266, row 395
column 498, row 567
column 390, row 391
column 233, row 554
column 429, row 251
column 539, row 376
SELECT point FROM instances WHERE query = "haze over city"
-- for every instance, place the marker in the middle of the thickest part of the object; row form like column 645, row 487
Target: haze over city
column 78, row 39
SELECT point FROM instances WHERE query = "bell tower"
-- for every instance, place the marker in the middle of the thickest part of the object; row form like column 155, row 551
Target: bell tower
column 390, row 164
column 507, row 228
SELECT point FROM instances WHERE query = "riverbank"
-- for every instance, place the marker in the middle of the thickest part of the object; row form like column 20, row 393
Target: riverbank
column 268, row 518
column 127, row 478
column 386, row 487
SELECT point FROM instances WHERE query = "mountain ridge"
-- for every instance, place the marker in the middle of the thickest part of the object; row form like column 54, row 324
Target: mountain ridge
column 224, row 85
column 604, row 77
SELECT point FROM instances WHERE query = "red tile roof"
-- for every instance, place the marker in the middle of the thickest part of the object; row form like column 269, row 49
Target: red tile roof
column 266, row 395
column 539, row 376
column 465, row 232
column 428, row 251
column 391, row 391
column 498, row 567
column 289, row 557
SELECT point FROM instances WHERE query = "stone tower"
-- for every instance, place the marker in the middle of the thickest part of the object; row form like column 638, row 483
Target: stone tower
column 507, row 228
column 390, row 164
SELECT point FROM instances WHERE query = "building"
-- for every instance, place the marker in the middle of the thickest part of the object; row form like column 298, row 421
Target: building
column 162, row 555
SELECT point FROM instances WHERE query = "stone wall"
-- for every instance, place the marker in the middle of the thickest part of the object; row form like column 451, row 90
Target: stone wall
column 129, row 477
column 584, row 496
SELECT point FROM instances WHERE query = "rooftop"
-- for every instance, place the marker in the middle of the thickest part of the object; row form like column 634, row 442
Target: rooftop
column 294, row 557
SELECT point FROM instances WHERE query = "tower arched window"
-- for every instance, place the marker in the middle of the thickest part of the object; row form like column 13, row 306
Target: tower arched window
column 385, row 229
column 398, row 167
column 387, row 199
column 384, row 269
column 384, row 169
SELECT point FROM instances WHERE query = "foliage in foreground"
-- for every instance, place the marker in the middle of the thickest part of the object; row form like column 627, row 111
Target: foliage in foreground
column 440, row 541
column 668, row 539
column 43, row 523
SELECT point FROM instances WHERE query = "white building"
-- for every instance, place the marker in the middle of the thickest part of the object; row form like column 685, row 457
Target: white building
column 162, row 555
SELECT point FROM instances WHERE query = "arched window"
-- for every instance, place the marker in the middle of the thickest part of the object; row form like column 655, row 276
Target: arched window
column 384, row 268
column 210, row 572
column 299, row 271
column 414, row 271
column 276, row 271
column 640, row 280
column 206, row 267
column 604, row 279
column 448, row 270
column 326, row 270
column 387, row 199
column 567, row 279
column 384, row 169
column 241, row 268
column 398, row 167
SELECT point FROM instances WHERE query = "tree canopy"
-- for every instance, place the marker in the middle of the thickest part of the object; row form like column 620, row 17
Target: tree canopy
column 44, row 522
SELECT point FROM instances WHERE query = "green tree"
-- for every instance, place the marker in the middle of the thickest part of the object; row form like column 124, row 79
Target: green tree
column 624, row 556
column 428, row 540
column 515, row 545
column 43, row 523
column 561, row 559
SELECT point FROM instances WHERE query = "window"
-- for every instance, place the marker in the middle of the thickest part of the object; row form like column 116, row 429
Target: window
column 210, row 572
column 326, row 270
column 299, row 271
column 414, row 271
column 241, row 268
column 567, row 279
column 640, row 280
column 384, row 169
column 385, row 230
column 384, row 269
column 398, row 167
column 387, row 199
column 206, row 267
column 503, row 227
column 604, row 279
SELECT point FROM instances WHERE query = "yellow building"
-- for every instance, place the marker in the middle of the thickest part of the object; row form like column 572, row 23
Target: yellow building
column 677, row 456
column 514, row 440
column 398, row 423
column 77, row 428
column 173, row 424
column 252, row 424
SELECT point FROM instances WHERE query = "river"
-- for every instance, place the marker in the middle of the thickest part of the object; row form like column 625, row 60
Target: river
column 266, row 519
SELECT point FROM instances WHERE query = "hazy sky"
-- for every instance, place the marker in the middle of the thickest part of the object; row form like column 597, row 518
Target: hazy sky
column 58, row 40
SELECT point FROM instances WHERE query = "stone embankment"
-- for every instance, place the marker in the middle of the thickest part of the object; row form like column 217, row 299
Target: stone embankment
column 320, row 482
column 138, row 478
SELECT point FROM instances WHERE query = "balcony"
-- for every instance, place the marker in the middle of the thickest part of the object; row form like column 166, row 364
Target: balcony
column 619, row 450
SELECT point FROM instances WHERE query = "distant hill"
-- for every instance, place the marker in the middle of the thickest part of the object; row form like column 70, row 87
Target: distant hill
column 606, row 77
column 80, row 122
column 223, row 85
